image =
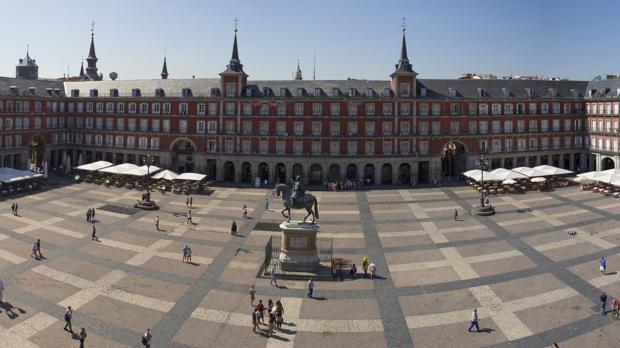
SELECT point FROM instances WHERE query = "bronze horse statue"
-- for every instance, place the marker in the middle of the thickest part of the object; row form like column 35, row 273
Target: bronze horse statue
column 306, row 201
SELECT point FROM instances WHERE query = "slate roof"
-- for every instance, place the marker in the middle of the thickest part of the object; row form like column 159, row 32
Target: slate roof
column 603, row 89
column 435, row 88
column 23, row 84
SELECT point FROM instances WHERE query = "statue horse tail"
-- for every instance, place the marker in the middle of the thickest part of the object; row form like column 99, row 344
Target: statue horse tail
column 316, row 208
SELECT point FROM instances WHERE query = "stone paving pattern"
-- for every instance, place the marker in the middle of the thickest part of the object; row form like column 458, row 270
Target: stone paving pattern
column 532, row 283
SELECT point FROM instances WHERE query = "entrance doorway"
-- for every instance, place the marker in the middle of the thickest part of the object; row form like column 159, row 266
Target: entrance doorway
column 183, row 155
column 453, row 159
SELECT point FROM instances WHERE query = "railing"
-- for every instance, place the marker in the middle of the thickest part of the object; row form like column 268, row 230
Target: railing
column 273, row 249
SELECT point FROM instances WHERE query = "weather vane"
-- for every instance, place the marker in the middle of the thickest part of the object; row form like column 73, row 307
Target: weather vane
column 404, row 26
column 92, row 27
column 236, row 22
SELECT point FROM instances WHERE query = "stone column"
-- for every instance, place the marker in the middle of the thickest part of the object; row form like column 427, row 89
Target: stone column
column 219, row 170
column 378, row 177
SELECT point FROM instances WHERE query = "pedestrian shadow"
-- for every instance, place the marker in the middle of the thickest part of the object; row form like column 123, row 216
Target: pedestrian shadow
column 192, row 263
column 282, row 287
column 611, row 273
column 9, row 309
column 278, row 338
column 486, row 330
column 322, row 298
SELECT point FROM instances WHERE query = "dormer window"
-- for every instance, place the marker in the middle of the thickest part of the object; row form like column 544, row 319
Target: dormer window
column 453, row 92
column 370, row 92
column 506, row 92
column 352, row 92
column 553, row 92
column 57, row 92
column 423, row 92
column 159, row 92
column 135, row 92
column 32, row 91
column 301, row 92
column 335, row 92
column 482, row 92
column 215, row 92
column 113, row 92
column 267, row 92
column 575, row 92
column 75, row 93
column 387, row 92
column 186, row 92
column 530, row 92
column 283, row 92
column 48, row 91
column 318, row 92
column 94, row 93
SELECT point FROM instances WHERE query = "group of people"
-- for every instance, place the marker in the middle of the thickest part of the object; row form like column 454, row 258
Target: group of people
column 342, row 185
column 275, row 313
column 14, row 208
column 90, row 215
column 36, row 250
column 368, row 269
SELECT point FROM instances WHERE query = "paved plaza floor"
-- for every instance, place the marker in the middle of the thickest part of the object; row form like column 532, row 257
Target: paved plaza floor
column 532, row 283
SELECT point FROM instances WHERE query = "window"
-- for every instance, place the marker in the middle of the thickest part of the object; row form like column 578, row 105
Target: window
column 213, row 109
column 298, row 128
column 352, row 128
column 423, row 109
column 99, row 107
column 298, row 147
column 316, row 127
column 532, row 108
column 424, row 147
column 200, row 127
column 370, row 109
column 156, row 108
column 281, row 109
column 370, row 128
column 247, row 127
column 497, row 145
column 521, row 126
column 166, row 126
column 544, row 108
column 352, row 147
column 435, row 127
column 182, row 109
column 264, row 109
column 404, row 128
column 154, row 126
column 212, row 127
column 229, row 126
column 316, row 147
column 120, row 124
column 508, row 145
column 352, row 109
column 404, row 147
column 334, row 109
column 144, row 108
column 424, row 128
column 455, row 127
column 299, row 109
column 544, row 125
column 556, row 125
column 263, row 146
column 454, row 109
column 387, row 128
column 496, row 126
column 334, row 128
column 473, row 109
column 436, row 109
column 508, row 127
column 201, row 109
column 567, row 108
column 482, row 145
column 229, row 146
column 508, row 109
column 404, row 89
column 281, row 128
column 484, row 127
column 387, row 147
column 405, row 109
column 230, row 90
column 211, row 146
column 370, row 148
column 230, row 109
column 483, row 109
column 387, row 109
column 119, row 141
column 533, row 143
column 144, row 125
column 568, row 125
column 109, row 124
column 109, row 108
column 317, row 109
column 472, row 126
column 496, row 109
column 280, row 147
column 334, row 148
column 132, row 108
column 167, row 109
column 263, row 127
column 247, row 146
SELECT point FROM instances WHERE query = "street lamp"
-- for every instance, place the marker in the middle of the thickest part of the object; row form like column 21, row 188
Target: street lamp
column 483, row 164
column 148, row 161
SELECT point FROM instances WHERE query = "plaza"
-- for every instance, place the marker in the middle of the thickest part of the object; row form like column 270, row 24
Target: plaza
column 532, row 283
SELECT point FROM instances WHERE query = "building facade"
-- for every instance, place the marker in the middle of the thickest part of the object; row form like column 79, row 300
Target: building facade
column 402, row 130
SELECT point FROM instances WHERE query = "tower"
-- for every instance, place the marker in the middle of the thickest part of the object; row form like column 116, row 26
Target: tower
column 91, row 60
column 164, row 71
column 298, row 72
column 27, row 68
column 234, row 79
column 403, row 77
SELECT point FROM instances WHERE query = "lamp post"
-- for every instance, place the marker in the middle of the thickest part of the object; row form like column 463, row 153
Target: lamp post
column 148, row 161
column 483, row 163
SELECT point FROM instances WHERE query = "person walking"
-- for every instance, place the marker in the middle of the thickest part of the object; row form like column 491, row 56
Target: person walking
column 13, row 208
column 245, row 211
column 68, row 316
column 157, row 222
column 273, row 276
column 88, row 215
column 252, row 295
column 603, row 299
column 94, row 234
column 365, row 266
column 187, row 202
column 255, row 314
column 187, row 254
column 474, row 321
column 34, row 251
column 602, row 265
column 310, row 287
column 189, row 217
column 353, row 271
column 260, row 308
column 191, row 201
column 39, row 248
column 373, row 269
column 266, row 204
column 16, row 208
column 1, row 289
column 82, row 337
column 146, row 338
column 233, row 228
column 456, row 214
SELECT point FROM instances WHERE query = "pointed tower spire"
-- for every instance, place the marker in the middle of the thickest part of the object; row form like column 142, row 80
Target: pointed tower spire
column 298, row 72
column 82, row 70
column 91, row 60
column 235, row 63
column 403, row 63
column 164, row 70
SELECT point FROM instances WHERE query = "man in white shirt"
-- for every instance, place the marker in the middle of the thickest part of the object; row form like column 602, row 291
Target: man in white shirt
column 474, row 321
column 310, row 287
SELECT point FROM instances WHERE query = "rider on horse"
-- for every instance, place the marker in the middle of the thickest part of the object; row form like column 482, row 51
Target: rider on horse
column 298, row 190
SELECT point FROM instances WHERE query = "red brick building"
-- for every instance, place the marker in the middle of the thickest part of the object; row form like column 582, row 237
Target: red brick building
column 400, row 130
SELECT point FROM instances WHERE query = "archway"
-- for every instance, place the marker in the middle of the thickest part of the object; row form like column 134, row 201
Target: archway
column 246, row 172
column 453, row 159
column 280, row 173
column 404, row 174
column 386, row 174
column 369, row 174
column 352, row 171
column 182, row 151
column 298, row 169
column 315, row 176
column 229, row 171
column 333, row 173
column 37, row 148
column 263, row 172
column 607, row 163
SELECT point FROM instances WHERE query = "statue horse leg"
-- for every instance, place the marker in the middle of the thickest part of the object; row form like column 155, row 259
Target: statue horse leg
column 309, row 212
column 282, row 212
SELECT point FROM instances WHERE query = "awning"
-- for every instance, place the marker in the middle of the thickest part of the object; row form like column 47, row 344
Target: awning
column 504, row 174
column 191, row 177
column 91, row 167
column 486, row 176
column 142, row 171
column 12, row 175
column 166, row 175
column 119, row 169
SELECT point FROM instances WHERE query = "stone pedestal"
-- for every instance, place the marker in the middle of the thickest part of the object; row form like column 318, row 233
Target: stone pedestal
column 299, row 251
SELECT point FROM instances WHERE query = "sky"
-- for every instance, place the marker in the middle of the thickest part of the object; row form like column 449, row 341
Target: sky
column 350, row 39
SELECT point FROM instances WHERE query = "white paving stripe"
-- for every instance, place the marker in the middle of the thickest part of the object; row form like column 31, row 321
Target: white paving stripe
column 155, row 249
column 350, row 235
column 456, row 229
column 292, row 310
column 102, row 287
column 9, row 256
column 18, row 335
column 44, row 225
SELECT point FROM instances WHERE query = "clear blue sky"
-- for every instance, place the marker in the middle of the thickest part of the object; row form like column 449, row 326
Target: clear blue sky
column 359, row 39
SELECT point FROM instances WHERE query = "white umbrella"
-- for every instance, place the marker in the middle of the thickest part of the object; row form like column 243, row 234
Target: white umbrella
column 484, row 176
column 508, row 182
column 469, row 173
column 508, row 174
column 538, row 179
column 581, row 179
column 166, row 175
column 551, row 170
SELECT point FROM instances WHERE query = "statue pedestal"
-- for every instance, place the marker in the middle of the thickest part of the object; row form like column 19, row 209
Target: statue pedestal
column 298, row 251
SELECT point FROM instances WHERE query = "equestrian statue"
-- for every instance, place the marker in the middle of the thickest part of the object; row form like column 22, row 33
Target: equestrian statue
column 295, row 197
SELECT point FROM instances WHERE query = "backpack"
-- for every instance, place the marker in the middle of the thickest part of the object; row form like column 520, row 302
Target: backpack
column 144, row 340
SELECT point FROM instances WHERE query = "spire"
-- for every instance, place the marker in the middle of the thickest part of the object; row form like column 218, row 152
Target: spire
column 298, row 72
column 235, row 63
column 403, row 63
column 164, row 71
column 91, row 60
column 82, row 70
column 27, row 53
